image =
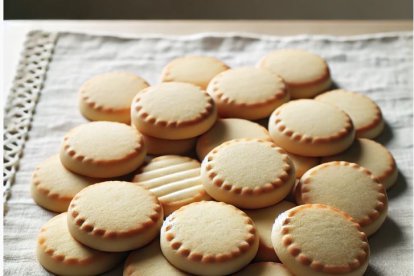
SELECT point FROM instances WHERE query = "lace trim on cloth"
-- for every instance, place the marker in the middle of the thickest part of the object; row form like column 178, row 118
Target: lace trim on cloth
column 22, row 100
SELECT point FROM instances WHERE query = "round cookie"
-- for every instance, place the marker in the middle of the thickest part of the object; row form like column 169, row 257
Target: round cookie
column 173, row 111
column 305, row 73
column 248, row 173
column 149, row 261
column 317, row 240
column 53, row 186
column 102, row 149
column 209, row 238
column 364, row 112
column 248, row 93
column 263, row 219
column 197, row 70
column 373, row 156
column 302, row 163
column 264, row 269
column 348, row 187
column 175, row 180
column 228, row 129
column 108, row 97
column 60, row 253
column 115, row 216
column 311, row 128
column 157, row 146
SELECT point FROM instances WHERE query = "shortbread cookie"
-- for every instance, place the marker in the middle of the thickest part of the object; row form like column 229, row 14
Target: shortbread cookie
column 264, row 269
column 373, row 156
column 303, row 163
column 53, row 186
column 174, row 179
column 263, row 219
column 157, row 146
column 173, row 111
column 311, row 128
column 306, row 74
column 248, row 93
column 197, row 70
column 248, row 173
column 149, row 261
column 102, row 149
column 209, row 238
column 115, row 216
column 108, row 97
column 228, row 129
column 317, row 240
column 349, row 187
column 364, row 112
column 60, row 253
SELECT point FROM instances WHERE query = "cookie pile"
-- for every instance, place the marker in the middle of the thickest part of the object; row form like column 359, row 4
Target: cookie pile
column 180, row 177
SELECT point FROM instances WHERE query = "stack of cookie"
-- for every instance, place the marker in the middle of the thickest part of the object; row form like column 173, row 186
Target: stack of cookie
column 183, row 177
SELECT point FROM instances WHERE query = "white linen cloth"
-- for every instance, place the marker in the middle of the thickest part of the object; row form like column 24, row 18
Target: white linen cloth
column 379, row 66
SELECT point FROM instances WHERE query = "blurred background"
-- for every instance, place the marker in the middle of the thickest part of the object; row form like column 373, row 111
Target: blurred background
column 208, row 9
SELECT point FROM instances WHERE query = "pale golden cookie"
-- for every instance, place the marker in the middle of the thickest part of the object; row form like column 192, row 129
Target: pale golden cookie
column 248, row 173
column 228, row 129
column 263, row 219
column 174, row 179
column 317, row 240
column 102, row 149
column 173, row 110
column 148, row 261
column 197, row 70
column 311, row 128
column 248, row 93
column 348, row 187
column 108, row 97
column 209, row 238
column 264, row 269
column 60, row 253
column 364, row 112
column 373, row 156
column 306, row 74
column 303, row 163
column 53, row 186
column 157, row 146
column 115, row 216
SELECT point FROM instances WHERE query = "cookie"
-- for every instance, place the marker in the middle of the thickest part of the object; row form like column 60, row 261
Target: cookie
column 228, row 129
column 373, row 156
column 364, row 112
column 302, row 163
column 115, row 216
column 149, row 261
column 311, row 128
column 102, row 149
column 316, row 240
column 197, row 70
column 264, row 269
column 108, row 97
column 348, row 187
column 173, row 111
column 306, row 74
column 209, row 238
column 59, row 253
column 248, row 173
column 248, row 93
column 174, row 179
column 263, row 219
column 157, row 146
column 53, row 186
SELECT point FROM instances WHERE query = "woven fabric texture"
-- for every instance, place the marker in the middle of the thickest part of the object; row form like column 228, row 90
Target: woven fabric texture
column 379, row 66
